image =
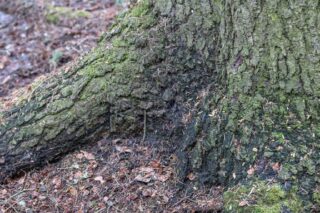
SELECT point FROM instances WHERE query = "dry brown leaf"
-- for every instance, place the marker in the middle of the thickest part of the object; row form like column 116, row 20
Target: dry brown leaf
column 72, row 191
column 191, row 176
column 155, row 164
column 163, row 178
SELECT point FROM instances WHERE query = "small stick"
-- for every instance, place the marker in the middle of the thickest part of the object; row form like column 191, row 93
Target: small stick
column 144, row 125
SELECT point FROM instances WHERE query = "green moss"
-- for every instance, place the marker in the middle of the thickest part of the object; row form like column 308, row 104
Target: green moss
column 119, row 42
column 148, row 21
column 56, row 57
column 278, row 136
column 60, row 105
column 141, row 9
column 316, row 197
column 53, row 18
column 261, row 197
column 55, row 14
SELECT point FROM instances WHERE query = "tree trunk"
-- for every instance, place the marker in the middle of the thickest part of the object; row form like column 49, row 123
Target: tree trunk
column 139, row 77
column 241, row 76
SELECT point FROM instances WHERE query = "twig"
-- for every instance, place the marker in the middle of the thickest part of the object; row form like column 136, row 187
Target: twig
column 144, row 125
column 12, row 196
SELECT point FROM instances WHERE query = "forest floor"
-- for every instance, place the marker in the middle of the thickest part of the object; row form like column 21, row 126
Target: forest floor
column 120, row 175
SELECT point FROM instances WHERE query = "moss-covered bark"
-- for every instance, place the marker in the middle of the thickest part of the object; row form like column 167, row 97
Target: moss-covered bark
column 140, row 77
column 264, row 121
column 242, row 76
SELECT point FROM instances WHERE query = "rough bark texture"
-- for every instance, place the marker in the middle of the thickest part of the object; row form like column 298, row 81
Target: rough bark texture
column 143, row 66
column 242, row 76
column 264, row 122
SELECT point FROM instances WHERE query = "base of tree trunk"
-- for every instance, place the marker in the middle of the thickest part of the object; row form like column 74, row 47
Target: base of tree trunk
column 234, row 84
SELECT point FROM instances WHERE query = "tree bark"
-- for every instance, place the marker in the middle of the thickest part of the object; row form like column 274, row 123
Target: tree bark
column 263, row 121
column 241, row 76
column 143, row 69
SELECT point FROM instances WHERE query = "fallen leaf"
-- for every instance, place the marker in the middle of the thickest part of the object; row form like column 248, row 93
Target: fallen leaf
column 57, row 182
column 155, row 164
column 123, row 149
column 132, row 197
column 146, row 169
column 276, row 167
column 21, row 180
column 100, row 179
column 72, row 191
column 3, row 62
column 250, row 171
column 163, row 178
column 41, row 197
column 88, row 156
column 3, row 194
column 144, row 179
column 86, row 192
column 148, row 193
column 123, row 172
column 105, row 199
column 191, row 176
column 165, row 198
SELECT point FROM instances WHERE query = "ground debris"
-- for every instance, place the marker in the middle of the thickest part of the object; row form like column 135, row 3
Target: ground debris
column 98, row 178
column 31, row 46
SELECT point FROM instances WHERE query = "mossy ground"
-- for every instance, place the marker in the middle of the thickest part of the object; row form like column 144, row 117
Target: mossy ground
column 55, row 14
column 261, row 197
